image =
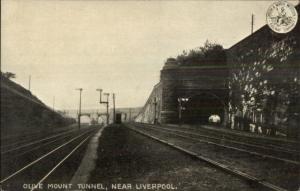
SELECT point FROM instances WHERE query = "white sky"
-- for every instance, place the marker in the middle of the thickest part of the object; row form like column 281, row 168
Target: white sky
column 114, row 45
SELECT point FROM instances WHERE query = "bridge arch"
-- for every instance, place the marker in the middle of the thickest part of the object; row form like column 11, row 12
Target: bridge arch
column 93, row 118
column 85, row 118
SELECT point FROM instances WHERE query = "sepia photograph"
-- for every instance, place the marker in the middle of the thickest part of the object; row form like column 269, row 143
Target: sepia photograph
column 150, row 95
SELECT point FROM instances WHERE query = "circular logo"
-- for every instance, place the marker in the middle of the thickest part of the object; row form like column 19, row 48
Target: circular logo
column 282, row 17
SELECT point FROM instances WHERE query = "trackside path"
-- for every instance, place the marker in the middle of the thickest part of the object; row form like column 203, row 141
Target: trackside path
column 88, row 162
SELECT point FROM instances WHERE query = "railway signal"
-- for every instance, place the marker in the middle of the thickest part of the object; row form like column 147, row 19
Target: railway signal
column 181, row 102
column 114, row 107
column 105, row 102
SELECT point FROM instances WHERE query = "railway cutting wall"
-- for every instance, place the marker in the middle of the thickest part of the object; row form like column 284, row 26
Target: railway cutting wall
column 264, row 82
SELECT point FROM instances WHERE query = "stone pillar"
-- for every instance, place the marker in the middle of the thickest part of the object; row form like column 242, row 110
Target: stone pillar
column 169, row 107
column 169, row 113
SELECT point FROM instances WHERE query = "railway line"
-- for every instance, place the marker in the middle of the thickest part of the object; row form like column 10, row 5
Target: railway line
column 270, row 142
column 52, row 159
column 8, row 141
column 265, row 151
column 242, row 159
column 25, row 143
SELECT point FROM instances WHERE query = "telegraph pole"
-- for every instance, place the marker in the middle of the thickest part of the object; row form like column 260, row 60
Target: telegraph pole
column 29, row 82
column 252, row 23
column 114, row 107
column 107, row 107
column 129, row 114
column 79, row 112
column 53, row 103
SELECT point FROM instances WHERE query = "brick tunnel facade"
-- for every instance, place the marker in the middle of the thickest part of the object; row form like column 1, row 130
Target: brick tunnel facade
column 204, row 86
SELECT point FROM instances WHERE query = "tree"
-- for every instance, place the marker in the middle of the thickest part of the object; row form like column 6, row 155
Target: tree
column 265, row 82
column 207, row 54
column 8, row 75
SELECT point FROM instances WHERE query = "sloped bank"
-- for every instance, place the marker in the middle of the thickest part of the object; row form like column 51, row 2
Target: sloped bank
column 20, row 110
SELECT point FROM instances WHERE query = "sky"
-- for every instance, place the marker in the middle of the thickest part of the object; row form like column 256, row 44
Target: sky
column 119, row 46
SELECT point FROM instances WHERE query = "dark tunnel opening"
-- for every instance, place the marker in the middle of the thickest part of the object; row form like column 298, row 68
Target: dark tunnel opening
column 198, row 109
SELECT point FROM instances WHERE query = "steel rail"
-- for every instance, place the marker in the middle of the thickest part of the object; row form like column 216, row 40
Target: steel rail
column 253, row 135
column 226, row 168
column 37, row 147
column 38, row 137
column 35, row 142
column 250, row 137
column 58, row 164
column 277, row 148
column 34, row 131
column 234, row 132
column 233, row 148
column 232, row 141
column 42, row 157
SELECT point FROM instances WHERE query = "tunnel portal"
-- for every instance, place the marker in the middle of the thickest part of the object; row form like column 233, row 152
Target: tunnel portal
column 200, row 107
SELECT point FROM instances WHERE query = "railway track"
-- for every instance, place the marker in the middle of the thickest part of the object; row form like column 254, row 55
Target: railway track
column 33, row 165
column 271, row 142
column 20, row 151
column 285, row 155
column 26, row 137
column 192, row 145
column 25, row 143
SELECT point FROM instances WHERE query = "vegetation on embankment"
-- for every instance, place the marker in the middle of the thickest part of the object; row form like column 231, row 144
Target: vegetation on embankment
column 20, row 109
column 210, row 54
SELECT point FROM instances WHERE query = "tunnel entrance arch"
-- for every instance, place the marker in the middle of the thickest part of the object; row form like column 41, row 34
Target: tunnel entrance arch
column 200, row 107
